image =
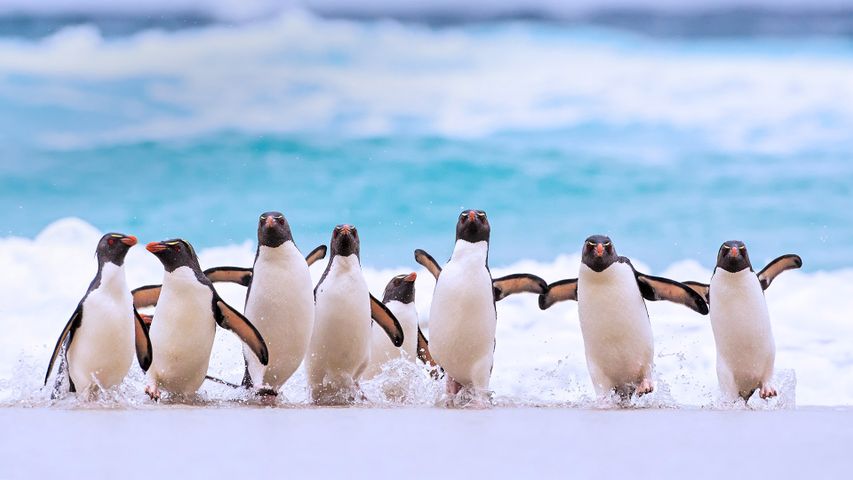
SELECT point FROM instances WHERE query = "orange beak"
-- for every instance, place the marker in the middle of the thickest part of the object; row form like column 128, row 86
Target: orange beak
column 345, row 229
column 155, row 247
column 599, row 250
column 472, row 215
column 129, row 240
column 734, row 252
column 270, row 221
column 411, row 277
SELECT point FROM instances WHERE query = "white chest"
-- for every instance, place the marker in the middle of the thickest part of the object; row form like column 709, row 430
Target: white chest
column 739, row 314
column 282, row 295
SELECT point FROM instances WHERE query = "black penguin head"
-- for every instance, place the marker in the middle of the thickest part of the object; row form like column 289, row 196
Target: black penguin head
column 113, row 247
column 345, row 241
column 401, row 288
column 273, row 229
column 598, row 253
column 174, row 253
column 733, row 256
column 473, row 226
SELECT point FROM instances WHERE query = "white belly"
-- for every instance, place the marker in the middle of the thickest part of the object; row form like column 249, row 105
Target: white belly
column 340, row 344
column 741, row 324
column 281, row 306
column 382, row 350
column 463, row 318
column 616, row 331
column 182, row 333
column 102, row 349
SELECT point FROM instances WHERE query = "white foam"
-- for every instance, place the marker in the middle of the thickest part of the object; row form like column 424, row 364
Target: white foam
column 300, row 73
column 539, row 356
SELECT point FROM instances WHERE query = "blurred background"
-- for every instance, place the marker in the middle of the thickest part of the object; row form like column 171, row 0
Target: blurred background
column 671, row 126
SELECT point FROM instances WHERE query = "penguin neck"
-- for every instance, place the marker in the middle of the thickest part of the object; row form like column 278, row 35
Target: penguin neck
column 341, row 264
column 112, row 278
column 465, row 251
column 275, row 254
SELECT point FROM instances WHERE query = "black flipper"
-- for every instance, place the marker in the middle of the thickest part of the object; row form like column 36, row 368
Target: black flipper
column 424, row 356
column 318, row 253
column 777, row 266
column 144, row 353
column 231, row 319
column 65, row 339
column 238, row 275
column 428, row 262
column 146, row 296
column 659, row 288
column 382, row 316
column 517, row 283
column 703, row 289
column 558, row 292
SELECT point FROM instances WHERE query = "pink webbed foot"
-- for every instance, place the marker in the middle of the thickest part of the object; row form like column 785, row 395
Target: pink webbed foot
column 646, row 386
column 453, row 387
column 153, row 392
column 767, row 391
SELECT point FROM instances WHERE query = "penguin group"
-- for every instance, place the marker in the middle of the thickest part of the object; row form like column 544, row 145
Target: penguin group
column 343, row 334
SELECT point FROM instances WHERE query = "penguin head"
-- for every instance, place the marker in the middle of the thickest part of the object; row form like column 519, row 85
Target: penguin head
column 401, row 288
column 174, row 253
column 345, row 241
column 473, row 226
column 733, row 256
column 113, row 247
column 598, row 253
column 273, row 229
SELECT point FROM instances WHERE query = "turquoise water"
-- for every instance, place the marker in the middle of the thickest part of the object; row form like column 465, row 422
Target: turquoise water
column 669, row 145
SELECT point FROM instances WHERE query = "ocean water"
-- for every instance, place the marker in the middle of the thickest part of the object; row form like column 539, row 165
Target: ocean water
column 668, row 143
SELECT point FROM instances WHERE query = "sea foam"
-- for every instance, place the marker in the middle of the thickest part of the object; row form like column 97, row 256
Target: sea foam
column 539, row 357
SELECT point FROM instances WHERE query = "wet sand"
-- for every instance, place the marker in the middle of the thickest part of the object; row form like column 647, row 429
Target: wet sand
column 424, row 443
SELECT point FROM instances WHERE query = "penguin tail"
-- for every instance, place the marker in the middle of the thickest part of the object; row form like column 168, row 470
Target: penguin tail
column 222, row 382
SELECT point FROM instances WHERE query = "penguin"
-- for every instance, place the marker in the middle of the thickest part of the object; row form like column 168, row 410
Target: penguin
column 614, row 321
column 184, row 322
column 339, row 349
column 279, row 300
column 463, row 316
column 746, row 350
column 98, row 342
column 399, row 297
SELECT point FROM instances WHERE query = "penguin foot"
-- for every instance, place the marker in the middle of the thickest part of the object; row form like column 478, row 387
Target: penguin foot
column 767, row 391
column 646, row 386
column 453, row 387
column 266, row 392
column 153, row 392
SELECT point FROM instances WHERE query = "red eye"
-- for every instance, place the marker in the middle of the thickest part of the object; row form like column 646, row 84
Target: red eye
column 177, row 248
column 110, row 242
column 281, row 221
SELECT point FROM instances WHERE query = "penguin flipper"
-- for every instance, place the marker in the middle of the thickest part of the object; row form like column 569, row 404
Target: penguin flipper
column 144, row 354
column 423, row 355
column 428, row 262
column 146, row 296
column 703, row 289
column 517, row 283
column 239, row 275
column 659, row 288
column 318, row 253
column 65, row 338
column 558, row 292
column 777, row 266
column 231, row 319
column 381, row 315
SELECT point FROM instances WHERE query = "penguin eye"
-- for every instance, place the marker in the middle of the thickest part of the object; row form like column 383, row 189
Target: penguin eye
column 607, row 244
column 742, row 247
column 111, row 241
column 591, row 244
column 481, row 214
column 280, row 220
